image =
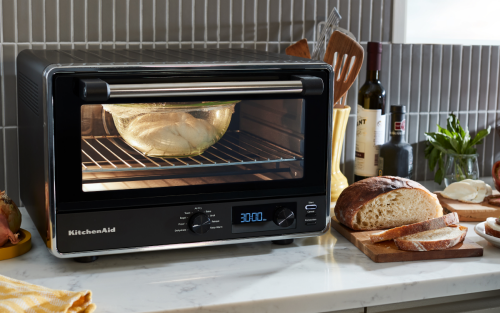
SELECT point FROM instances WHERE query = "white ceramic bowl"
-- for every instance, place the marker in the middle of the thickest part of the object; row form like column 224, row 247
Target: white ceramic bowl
column 479, row 229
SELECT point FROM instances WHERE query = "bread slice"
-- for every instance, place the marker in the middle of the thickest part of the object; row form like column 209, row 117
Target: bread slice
column 490, row 231
column 435, row 223
column 438, row 239
column 385, row 202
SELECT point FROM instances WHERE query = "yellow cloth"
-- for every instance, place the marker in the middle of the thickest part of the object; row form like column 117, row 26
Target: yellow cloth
column 20, row 297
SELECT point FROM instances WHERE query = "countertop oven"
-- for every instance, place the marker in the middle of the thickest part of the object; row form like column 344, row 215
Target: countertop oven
column 91, row 190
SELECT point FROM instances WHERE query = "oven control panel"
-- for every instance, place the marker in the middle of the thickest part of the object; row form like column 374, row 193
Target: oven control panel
column 142, row 227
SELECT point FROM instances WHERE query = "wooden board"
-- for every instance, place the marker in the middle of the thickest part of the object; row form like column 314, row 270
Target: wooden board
column 387, row 251
column 9, row 251
column 469, row 212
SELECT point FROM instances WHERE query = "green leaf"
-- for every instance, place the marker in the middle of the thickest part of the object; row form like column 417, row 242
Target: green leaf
column 444, row 131
column 439, row 176
column 434, row 158
column 480, row 135
column 451, row 124
column 455, row 144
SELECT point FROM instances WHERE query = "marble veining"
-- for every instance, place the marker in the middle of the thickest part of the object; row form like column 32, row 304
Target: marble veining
column 312, row 275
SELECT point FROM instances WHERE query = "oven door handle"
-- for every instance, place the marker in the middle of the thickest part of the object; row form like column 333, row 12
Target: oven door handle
column 98, row 90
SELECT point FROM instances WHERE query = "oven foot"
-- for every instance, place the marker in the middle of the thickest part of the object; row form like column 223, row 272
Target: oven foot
column 283, row 242
column 85, row 259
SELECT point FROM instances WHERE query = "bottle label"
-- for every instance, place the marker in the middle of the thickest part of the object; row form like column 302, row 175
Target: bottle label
column 380, row 166
column 399, row 128
column 370, row 135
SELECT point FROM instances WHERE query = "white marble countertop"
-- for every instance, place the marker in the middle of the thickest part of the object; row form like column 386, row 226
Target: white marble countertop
column 319, row 274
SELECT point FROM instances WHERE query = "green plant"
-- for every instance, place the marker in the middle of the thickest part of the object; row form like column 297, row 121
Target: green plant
column 452, row 139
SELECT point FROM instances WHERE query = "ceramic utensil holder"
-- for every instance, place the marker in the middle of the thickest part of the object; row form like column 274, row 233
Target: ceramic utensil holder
column 339, row 181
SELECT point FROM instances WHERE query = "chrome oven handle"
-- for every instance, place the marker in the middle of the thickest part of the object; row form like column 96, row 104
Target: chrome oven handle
column 99, row 90
column 204, row 89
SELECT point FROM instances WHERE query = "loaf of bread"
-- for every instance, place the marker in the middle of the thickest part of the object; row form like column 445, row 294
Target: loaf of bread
column 385, row 202
column 438, row 239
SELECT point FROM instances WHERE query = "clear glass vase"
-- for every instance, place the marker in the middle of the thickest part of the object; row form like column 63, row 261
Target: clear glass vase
column 459, row 167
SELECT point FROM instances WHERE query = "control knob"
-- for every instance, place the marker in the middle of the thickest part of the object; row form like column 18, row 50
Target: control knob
column 284, row 217
column 199, row 223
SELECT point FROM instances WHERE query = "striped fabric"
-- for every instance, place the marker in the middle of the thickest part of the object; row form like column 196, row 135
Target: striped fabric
column 20, row 297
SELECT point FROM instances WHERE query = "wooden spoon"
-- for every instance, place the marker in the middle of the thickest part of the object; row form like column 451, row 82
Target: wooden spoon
column 343, row 45
column 299, row 49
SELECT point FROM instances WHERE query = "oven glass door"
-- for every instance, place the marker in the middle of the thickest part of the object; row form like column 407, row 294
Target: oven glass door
column 145, row 150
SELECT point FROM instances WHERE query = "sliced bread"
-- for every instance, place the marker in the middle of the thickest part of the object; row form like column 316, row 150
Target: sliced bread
column 385, row 202
column 491, row 227
column 437, row 239
column 435, row 223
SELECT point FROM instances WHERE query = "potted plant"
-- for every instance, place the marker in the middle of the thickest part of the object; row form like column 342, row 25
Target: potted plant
column 453, row 151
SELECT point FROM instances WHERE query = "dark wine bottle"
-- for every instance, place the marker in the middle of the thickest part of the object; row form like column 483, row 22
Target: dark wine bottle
column 396, row 156
column 370, row 129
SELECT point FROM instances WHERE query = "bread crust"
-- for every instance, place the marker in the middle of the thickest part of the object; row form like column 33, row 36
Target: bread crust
column 397, row 232
column 412, row 245
column 354, row 197
column 490, row 231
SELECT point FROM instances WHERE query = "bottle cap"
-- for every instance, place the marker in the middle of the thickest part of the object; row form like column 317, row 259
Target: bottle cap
column 401, row 109
column 374, row 56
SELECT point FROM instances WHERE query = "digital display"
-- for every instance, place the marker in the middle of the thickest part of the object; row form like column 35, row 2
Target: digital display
column 252, row 217
column 264, row 213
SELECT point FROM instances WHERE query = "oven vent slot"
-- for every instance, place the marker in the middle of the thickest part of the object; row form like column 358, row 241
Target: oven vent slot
column 28, row 93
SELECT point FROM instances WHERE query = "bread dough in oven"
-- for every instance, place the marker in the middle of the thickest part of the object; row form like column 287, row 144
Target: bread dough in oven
column 170, row 133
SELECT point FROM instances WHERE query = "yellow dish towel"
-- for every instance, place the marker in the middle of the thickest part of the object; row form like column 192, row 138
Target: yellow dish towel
column 19, row 297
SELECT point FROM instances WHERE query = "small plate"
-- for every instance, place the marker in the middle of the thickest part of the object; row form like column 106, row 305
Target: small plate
column 479, row 229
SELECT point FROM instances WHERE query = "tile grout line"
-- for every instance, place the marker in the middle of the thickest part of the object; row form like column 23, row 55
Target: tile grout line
column 268, row 8
column 167, row 14
column 193, row 9
column 280, row 8
column 255, row 7
column 205, row 33
column 431, row 59
column 230, row 23
column 180, row 24
column 141, row 21
column 154, row 24
column 242, row 23
column 218, row 24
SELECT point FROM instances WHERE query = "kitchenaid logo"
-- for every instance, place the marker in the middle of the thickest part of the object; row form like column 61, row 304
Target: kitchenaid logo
column 91, row 232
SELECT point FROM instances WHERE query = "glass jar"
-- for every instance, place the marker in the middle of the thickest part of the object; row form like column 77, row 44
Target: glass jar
column 459, row 167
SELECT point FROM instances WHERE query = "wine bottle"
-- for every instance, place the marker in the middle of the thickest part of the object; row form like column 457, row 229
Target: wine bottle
column 370, row 127
column 396, row 156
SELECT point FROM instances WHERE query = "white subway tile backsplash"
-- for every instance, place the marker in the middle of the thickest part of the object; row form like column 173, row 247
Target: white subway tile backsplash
column 430, row 80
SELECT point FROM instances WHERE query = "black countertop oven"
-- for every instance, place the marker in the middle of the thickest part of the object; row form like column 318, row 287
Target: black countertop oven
column 139, row 150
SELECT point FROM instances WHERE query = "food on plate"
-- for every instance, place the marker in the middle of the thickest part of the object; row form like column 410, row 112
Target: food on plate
column 385, row 202
column 492, row 226
column 468, row 191
column 10, row 220
column 437, row 239
column 494, row 200
column 435, row 223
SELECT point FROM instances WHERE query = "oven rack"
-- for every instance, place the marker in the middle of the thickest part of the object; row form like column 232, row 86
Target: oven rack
column 112, row 154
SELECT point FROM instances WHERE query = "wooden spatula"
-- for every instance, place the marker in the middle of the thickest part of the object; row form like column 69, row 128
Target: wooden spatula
column 343, row 45
column 299, row 49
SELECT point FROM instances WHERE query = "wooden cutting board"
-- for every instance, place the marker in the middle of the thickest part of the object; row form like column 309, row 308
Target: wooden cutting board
column 469, row 212
column 386, row 251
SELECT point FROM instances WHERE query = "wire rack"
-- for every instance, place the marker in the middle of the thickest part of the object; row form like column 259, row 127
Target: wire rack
column 112, row 153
